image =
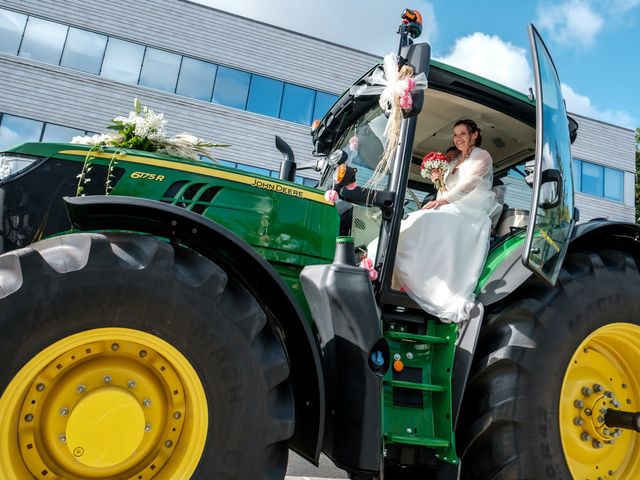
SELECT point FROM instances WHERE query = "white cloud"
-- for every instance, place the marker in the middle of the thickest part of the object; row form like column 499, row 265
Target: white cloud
column 573, row 22
column 582, row 105
column 348, row 23
column 493, row 58
column 505, row 63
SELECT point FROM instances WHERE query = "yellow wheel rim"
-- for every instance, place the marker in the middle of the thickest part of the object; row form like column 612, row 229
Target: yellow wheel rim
column 602, row 375
column 104, row 403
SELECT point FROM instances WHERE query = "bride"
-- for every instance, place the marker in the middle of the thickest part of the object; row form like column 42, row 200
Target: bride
column 442, row 247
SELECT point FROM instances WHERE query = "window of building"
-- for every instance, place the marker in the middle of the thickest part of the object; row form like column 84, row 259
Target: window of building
column 265, row 95
column 324, row 101
column 598, row 180
column 613, row 184
column 252, row 169
column 84, row 50
column 592, row 181
column 43, row 40
column 160, row 70
column 231, row 88
column 122, row 61
column 58, row 133
column 196, row 79
column 15, row 130
column 11, row 29
column 297, row 104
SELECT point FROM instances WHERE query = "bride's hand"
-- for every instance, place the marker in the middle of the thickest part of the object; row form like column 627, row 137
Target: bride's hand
column 434, row 204
column 436, row 175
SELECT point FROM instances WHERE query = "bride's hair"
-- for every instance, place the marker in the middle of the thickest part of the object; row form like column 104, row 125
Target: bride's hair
column 473, row 127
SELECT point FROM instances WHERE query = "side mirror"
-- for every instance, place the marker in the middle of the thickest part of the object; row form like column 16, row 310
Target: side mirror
column 550, row 189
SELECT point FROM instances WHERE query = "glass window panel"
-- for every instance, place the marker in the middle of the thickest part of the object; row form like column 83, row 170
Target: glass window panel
column 160, row 70
column 231, row 87
column 252, row 169
column 43, row 40
column 592, row 179
column 11, row 29
column 324, row 101
column 84, row 50
column 264, row 96
column 58, row 133
column 122, row 61
column 297, row 104
column 614, row 184
column 227, row 163
column 15, row 130
column 577, row 175
column 196, row 79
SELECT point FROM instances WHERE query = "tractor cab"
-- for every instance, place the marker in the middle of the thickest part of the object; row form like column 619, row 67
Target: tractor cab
column 528, row 137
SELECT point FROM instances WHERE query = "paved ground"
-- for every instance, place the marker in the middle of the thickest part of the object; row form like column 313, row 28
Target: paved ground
column 300, row 469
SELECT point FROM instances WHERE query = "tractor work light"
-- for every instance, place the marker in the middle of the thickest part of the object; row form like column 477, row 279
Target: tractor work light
column 12, row 163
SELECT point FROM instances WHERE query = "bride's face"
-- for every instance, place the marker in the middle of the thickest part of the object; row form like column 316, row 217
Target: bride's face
column 463, row 139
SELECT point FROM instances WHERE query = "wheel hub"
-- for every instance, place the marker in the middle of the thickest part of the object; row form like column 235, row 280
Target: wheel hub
column 104, row 403
column 600, row 377
column 105, row 427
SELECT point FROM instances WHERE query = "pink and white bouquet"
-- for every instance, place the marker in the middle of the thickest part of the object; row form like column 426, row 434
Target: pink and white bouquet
column 435, row 161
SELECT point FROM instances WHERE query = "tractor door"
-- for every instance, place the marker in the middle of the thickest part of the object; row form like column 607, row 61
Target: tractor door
column 552, row 210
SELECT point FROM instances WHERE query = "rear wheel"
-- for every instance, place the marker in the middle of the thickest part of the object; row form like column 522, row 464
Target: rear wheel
column 549, row 360
column 124, row 357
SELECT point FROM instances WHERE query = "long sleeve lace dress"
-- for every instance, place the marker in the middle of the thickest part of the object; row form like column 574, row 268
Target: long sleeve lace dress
column 441, row 251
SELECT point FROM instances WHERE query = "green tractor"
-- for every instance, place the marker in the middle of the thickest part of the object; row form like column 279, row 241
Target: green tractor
column 199, row 322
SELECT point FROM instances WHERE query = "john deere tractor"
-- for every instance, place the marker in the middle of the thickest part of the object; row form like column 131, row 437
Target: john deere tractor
column 199, row 322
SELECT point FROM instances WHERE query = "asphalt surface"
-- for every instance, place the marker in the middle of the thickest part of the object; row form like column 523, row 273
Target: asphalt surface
column 300, row 469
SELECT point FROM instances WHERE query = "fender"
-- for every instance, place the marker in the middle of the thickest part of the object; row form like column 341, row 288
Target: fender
column 230, row 252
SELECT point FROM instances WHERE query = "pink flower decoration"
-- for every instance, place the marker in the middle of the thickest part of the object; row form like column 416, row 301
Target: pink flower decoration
column 351, row 186
column 354, row 143
column 367, row 264
column 406, row 102
column 411, row 84
column 331, row 196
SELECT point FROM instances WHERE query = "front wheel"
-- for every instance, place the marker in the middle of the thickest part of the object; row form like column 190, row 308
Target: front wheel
column 124, row 357
column 550, row 362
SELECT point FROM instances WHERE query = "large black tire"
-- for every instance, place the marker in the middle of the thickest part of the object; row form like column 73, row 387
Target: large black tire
column 510, row 423
column 75, row 283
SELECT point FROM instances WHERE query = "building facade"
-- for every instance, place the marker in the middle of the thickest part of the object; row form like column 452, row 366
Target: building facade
column 69, row 67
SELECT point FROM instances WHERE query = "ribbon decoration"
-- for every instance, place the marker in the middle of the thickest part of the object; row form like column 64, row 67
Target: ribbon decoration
column 394, row 85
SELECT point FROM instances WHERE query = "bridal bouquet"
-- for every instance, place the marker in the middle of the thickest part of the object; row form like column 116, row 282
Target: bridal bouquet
column 434, row 161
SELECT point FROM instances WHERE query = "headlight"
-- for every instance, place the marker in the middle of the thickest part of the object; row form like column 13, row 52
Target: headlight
column 12, row 163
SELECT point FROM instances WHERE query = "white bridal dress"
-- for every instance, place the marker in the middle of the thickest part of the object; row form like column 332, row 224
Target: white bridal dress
column 441, row 252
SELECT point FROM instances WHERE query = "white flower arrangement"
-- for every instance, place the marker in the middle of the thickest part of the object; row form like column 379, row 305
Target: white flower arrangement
column 143, row 130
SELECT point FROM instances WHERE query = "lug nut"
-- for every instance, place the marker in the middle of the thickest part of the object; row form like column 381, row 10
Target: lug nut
column 146, row 402
column 587, row 411
column 606, row 431
column 131, row 384
column 115, row 346
column 597, row 387
column 107, row 379
column 600, row 419
column 64, row 411
column 608, row 394
column 578, row 421
column 585, row 437
column 40, row 387
column 586, row 391
column 81, row 389
column 615, row 403
column 62, row 438
column 578, row 404
column 176, row 415
column 596, row 444
column 28, row 417
column 147, row 427
column 143, row 353
column 603, row 411
column 168, row 443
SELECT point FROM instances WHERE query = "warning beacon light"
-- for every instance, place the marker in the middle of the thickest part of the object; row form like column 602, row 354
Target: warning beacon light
column 413, row 21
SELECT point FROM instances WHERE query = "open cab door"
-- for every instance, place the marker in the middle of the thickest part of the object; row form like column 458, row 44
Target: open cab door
column 552, row 204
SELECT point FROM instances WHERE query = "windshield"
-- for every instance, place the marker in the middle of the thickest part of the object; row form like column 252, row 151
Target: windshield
column 363, row 143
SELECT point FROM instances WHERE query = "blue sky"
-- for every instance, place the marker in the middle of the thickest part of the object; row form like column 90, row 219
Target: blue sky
column 594, row 43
